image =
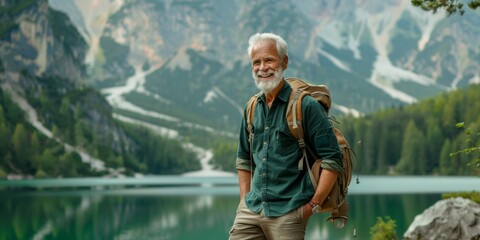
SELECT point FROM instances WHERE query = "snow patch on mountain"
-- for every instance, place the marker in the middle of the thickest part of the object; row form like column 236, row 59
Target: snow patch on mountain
column 384, row 67
column 427, row 22
column 215, row 92
column 347, row 111
column 210, row 96
column 180, row 60
column 115, row 98
column 165, row 132
column 90, row 18
column 475, row 79
column 205, row 156
column 334, row 36
column 335, row 61
column 384, row 74
column 229, row 100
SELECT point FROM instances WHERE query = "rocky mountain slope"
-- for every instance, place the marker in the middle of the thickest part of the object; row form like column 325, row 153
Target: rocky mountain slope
column 371, row 54
column 51, row 120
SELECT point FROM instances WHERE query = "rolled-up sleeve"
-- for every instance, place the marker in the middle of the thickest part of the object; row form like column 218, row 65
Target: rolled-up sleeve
column 243, row 149
column 320, row 135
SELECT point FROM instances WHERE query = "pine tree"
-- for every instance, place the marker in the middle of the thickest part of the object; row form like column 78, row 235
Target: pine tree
column 445, row 167
column 20, row 148
column 413, row 158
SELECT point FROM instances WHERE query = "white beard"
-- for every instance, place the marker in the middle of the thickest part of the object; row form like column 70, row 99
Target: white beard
column 267, row 86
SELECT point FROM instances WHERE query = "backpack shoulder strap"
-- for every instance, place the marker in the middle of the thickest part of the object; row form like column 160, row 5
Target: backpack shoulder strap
column 294, row 114
column 249, row 112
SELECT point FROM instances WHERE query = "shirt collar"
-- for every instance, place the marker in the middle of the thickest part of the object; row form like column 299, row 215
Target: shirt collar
column 284, row 93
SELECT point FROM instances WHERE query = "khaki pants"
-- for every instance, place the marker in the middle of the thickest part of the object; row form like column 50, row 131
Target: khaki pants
column 250, row 225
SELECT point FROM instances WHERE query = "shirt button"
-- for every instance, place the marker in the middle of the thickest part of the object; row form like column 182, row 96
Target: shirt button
column 265, row 143
column 264, row 159
column 266, row 128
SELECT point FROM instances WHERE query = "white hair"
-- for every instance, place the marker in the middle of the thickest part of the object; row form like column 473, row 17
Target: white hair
column 280, row 44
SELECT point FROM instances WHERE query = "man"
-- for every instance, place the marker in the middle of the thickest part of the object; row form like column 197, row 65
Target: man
column 276, row 198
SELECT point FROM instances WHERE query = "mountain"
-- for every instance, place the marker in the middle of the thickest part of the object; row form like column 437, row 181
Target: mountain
column 185, row 61
column 180, row 68
column 51, row 121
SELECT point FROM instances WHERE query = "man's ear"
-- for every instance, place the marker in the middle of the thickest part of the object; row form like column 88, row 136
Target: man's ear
column 285, row 63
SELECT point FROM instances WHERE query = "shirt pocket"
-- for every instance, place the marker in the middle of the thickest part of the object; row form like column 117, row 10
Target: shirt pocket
column 286, row 144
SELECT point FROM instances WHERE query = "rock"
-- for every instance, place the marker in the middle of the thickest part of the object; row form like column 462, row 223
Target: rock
column 454, row 218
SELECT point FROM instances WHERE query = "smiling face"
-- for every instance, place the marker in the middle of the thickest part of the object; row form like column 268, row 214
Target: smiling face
column 267, row 65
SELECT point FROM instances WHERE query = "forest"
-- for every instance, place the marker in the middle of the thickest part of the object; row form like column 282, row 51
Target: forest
column 24, row 151
column 416, row 139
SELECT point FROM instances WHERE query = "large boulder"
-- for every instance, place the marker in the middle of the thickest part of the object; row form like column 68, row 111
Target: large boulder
column 454, row 218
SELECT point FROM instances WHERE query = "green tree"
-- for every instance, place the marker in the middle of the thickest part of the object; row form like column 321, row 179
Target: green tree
column 79, row 139
column 47, row 162
column 3, row 174
column 434, row 139
column 369, row 141
column 224, row 155
column 4, row 134
column 384, row 229
column 472, row 139
column 35, row 150
column 20, row 146
column 382, row 152
column 451, row 6
column 413, row 159
column 445, row 166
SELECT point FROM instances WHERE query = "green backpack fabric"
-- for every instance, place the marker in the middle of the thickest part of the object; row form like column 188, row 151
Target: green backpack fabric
column 336, row 202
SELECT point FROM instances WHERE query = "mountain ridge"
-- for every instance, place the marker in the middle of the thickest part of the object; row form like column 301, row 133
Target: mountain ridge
column 180, row 67
column 336, row 35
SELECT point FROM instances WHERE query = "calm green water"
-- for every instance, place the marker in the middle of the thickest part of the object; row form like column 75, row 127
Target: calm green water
column 182, row 212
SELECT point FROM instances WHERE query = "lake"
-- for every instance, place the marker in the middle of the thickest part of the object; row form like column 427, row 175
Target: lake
column 175, row 207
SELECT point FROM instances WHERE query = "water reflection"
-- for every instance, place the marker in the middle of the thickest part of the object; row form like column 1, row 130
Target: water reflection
column 149, row 213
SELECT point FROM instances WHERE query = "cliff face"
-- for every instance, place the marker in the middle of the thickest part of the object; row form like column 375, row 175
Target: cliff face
column 42, row 57
column 42, row 42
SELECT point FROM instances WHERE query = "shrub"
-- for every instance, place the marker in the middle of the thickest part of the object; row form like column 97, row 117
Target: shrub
column 473, row 195
column 384, row 229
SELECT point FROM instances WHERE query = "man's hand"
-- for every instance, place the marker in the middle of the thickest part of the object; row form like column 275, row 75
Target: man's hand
column 307, row 211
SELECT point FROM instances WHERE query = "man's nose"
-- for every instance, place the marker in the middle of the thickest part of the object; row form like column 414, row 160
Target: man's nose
column 263, row 66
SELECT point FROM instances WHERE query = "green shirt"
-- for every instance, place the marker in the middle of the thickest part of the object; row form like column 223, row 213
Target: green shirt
column 278, row 186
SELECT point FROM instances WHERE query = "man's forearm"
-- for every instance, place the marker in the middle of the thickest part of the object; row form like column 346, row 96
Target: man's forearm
column 325, row 184
column 244, row 178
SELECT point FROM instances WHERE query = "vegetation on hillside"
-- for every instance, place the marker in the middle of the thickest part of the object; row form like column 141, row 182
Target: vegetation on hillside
column 26, row 151
column 23, row 150
column 450, row 6
column 417, row 139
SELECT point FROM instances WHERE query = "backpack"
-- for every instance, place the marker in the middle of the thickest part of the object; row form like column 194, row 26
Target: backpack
column 336, row 202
